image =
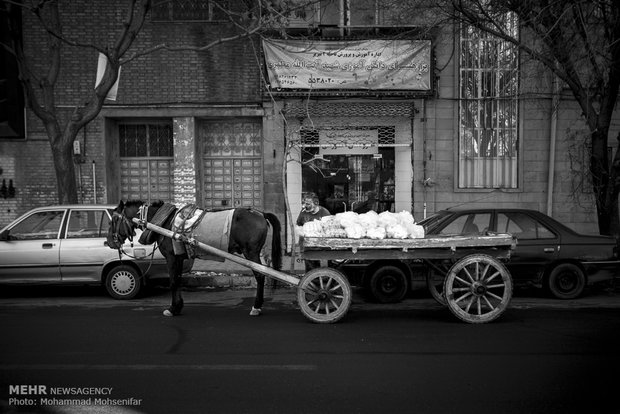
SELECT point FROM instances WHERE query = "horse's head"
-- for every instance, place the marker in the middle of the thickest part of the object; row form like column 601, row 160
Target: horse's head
column 122, row 227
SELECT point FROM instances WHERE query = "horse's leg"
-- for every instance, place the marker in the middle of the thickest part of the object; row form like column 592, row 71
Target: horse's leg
column 175, row 272
column 260, row 284
column 259, row 298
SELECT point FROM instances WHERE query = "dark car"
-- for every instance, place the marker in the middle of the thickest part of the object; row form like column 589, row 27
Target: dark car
column 67, row 245
column 548, row 254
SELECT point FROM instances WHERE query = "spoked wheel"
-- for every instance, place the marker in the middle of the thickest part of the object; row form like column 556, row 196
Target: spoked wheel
column 478, row 288
column 324, row 295
column 435, row 277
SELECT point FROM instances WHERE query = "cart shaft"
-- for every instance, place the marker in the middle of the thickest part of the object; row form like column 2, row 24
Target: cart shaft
column 268, row 271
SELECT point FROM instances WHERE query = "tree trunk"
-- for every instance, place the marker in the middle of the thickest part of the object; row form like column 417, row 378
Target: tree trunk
column 599, row 169
column 613, row 193
column 65, row 173
column 62, row 154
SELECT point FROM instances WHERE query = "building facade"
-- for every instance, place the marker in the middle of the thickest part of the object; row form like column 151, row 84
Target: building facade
column 222, row 127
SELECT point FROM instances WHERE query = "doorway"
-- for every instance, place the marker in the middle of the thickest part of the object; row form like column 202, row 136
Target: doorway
column 342, row 181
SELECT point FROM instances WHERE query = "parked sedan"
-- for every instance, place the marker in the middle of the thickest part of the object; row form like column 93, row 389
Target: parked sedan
column 67, row 245
column 547, row 254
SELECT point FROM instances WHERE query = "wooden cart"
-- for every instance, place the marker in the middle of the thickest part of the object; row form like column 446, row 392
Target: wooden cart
column 477, row 287
column 324, row 294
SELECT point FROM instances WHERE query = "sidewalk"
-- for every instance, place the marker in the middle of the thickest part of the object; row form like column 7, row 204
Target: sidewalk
column 227, row 274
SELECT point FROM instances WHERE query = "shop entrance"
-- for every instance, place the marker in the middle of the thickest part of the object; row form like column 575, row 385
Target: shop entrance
column 343, row 182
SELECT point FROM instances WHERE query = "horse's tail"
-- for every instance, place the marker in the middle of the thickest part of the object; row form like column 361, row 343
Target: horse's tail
column 276, row 241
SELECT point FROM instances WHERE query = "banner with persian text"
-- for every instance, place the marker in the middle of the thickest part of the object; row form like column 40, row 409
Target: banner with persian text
column 364, row 64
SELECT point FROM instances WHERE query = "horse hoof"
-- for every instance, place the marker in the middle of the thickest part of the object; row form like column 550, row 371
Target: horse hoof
column 255, row 311
column 168, row 313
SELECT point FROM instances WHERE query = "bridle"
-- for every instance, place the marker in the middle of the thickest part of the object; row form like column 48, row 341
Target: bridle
column 120, row 221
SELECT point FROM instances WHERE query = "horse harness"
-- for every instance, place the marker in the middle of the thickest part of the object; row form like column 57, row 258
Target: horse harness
column 185, row 221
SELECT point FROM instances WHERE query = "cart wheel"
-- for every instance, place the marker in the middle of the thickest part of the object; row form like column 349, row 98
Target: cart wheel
column 478, row 288
column 435, row 277
column 324, row 295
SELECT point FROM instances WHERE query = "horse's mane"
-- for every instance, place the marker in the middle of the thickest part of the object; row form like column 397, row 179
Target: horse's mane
column 138, row 203
column 133, row 203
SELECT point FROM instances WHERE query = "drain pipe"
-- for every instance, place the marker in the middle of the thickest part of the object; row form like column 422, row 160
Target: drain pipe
column 94, row 184
column 555, row 103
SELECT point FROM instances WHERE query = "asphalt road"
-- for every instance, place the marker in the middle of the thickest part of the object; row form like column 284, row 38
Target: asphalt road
column 540, row 356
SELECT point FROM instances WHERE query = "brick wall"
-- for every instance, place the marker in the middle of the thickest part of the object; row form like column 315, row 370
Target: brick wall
column 225, row 75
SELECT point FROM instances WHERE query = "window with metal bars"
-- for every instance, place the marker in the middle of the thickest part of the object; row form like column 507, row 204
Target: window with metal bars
column 489, row 110
column 145, row 140
column 310, row 136
column 189, row 11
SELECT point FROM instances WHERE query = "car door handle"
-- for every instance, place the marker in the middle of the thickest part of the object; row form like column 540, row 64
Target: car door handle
column 549, row 250
column 47, row 245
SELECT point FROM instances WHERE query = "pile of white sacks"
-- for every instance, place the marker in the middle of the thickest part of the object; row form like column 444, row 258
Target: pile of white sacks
column 369, row 225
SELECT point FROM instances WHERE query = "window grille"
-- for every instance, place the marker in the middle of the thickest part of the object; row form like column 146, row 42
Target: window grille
column 142, row 140
column 385, row 136
column 489, row 111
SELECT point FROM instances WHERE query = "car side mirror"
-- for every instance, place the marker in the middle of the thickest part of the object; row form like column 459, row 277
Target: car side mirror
column 4, row 236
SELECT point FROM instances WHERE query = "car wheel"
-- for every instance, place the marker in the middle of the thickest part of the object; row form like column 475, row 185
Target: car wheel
column 123, row 282
column 566, row 281
column 388, row 284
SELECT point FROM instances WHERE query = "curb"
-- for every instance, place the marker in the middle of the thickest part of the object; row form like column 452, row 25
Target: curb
column 230, row 280
column 218, row 280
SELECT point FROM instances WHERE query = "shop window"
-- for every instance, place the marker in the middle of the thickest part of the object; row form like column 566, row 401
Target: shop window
column 346, row 166
column 489, row 111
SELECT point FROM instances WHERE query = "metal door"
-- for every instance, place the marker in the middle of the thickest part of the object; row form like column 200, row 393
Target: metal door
column 234, row 182
column 147, row 180
column 232, row 168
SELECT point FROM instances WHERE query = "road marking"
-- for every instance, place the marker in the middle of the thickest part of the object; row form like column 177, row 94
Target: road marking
column 153, row 367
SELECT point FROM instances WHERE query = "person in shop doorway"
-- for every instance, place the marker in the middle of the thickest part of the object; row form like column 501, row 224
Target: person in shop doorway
column 368, row 205
column 311, row 210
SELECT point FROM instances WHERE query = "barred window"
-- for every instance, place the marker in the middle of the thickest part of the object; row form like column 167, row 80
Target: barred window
column 385, row 136
column 145, row 140
column 189, row 10
column 489, row 111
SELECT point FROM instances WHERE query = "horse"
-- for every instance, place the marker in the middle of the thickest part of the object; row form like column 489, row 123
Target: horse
column 248, row 233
